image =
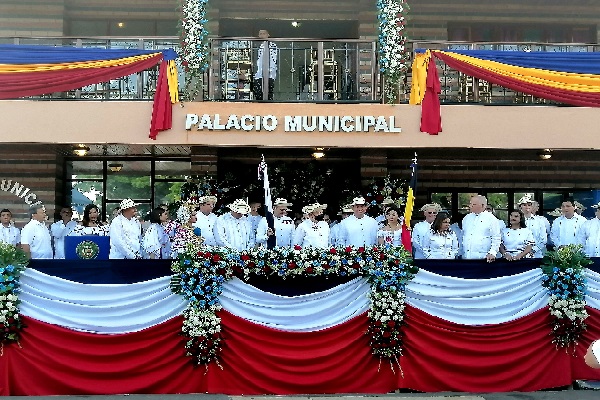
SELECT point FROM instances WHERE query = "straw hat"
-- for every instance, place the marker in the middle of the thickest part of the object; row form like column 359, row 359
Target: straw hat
column 435, row 206
column 358, row 201
column 282, row 202
column 127, row 203
column 525, row 199
column 313, row 207
column 239, row 206
column 207, row 199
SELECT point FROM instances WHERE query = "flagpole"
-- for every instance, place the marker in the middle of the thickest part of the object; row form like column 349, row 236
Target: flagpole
column 268, row 203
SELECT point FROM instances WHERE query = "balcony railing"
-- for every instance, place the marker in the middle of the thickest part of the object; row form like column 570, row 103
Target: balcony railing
column 308, row 70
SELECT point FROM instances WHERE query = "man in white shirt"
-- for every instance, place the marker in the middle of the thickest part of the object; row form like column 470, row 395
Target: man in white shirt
column 265, row 63
column 481, row 233
column 125, row 233
column 232, row 229
column 284, row 226
column 359, row 229
column 589, row 235
column 334, row 231
column 61, row 228
column 254, row 219
column 565, row 228
column 8, row 232
column 536, row 225
column 206, row 219
column 35, row 236
column 421, row 230
column 535, row 207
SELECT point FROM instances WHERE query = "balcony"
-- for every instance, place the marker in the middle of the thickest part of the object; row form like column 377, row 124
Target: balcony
column 332, row 71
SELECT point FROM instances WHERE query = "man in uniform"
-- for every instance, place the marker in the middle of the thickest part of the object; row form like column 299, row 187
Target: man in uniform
column 125, row 232
column 35, row 236
column 358, row 229
column 206, row 219
column 284, row 226
column 536, row 225
column 481, row 233
column 232, row 229
column 8, row 232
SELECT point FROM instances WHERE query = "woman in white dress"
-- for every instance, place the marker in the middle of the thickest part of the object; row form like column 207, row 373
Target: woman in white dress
column 517, row 239
column 313, row 231
column 391, row 232
column 441, row 242
column 90, row 224
column 156, row 241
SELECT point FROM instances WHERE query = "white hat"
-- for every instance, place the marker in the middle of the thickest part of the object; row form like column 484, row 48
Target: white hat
column 282, row 202
column 313, row 207
column 435, row 206
column 387, row 201
column 207, row 199
column 579, row 206
column 127, row 203
column 358, row 201
column 556, row 213
column 239, row 206
column 525, row 199
column 346, row 209
column 596, row 205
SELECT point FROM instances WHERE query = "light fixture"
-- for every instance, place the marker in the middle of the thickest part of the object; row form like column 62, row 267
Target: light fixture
column 80, row 150
column 318, row 153
column 115, row 167
column 295, row 24
column 121, row 24
column 545, row 154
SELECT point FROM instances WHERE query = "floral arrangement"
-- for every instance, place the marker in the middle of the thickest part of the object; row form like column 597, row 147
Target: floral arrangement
column 565, row 281
column 386, row 188
column 201, row 271
column 393, row 57
column 194, row 45
column 12, row 262
column 198, row 186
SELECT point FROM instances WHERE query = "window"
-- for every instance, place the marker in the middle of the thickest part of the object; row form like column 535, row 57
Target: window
column 543, row 33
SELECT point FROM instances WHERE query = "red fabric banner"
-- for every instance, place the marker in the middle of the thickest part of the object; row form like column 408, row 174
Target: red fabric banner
column 514, row 356
column 431, row 117
column 23, row 84
column 162, row 111
column 586, row 99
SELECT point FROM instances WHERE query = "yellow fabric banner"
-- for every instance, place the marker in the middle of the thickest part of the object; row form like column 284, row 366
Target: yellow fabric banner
column 16, row 68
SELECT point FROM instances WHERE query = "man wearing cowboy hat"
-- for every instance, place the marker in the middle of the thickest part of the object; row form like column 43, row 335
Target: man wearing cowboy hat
column 125, row 232
column 589, row 234
column 334, row 231
column 232, row 229
column 535, row 225
column 313, row 231
column 358, row 229
column 421, row 229
column 206, row 219
column 565, row 228
column 284, row 226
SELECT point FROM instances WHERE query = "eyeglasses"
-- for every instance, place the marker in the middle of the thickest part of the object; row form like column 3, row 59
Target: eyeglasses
column 431, row 212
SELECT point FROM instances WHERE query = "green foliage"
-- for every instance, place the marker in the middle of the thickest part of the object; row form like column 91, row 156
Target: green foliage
column 570, row 256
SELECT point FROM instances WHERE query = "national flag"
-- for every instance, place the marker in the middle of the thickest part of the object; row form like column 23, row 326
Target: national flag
column 263, row 174
column 410, row 202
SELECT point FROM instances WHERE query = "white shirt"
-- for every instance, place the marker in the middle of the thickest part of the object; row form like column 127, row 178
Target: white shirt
column 37, row 236
column 284, row 231
column 438, row 246
column 358, row 232
column 564, row 230
column 515, row 240
column 481, row 235
column 59, row 230
column 393, row 238
column 81, row 230
column 538, row 229
column 125, row 238
column 233, row 232
column 419, row 232
column 309, row 234
column 254, row 220
column 206, row 223
column 272, row 61
column 589, row 237
column 10, row 234
column 156, row 241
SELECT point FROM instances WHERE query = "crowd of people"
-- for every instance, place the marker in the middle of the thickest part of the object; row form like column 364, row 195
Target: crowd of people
column 479, row 235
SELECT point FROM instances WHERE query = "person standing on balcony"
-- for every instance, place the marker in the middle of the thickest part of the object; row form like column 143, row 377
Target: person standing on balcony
column 566, row 227
column 589, row 234
column 36, row 241
column 359, row 229
column 61, row 228
column 266, row 65
column 283, row 229
column 125, row 233
column 481, row 232
column 421, row 230
column 9, row 233
column 205, row 219
column 536, row 225
column 232, row 229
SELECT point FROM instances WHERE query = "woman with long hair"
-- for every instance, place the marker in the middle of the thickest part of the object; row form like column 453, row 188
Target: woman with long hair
column 391, row 232
column 441, row 242
column 91, row 224
column 517, row 239
column 156, row 240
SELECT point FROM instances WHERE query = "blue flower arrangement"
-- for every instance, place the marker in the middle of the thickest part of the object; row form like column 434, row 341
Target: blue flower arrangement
column 13, row 261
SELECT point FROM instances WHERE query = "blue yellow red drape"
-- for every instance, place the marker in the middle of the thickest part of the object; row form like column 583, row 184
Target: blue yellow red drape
column 570, row 78
column 33, row 70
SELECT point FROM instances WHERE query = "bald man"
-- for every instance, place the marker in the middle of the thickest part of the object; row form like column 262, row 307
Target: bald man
column 481, row 233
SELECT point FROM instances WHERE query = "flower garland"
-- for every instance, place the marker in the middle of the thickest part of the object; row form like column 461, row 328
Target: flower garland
column 194, row 45
column 565, row 282
column 393, row 57
column 201, row 271
column 12, row 262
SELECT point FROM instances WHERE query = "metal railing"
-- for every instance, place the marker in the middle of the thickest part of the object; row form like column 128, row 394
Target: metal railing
column 308, row 70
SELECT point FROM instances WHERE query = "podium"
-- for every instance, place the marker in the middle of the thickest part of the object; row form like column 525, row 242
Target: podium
column 90, row 247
